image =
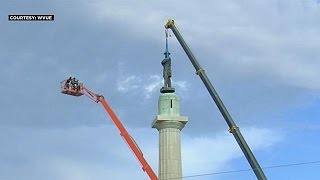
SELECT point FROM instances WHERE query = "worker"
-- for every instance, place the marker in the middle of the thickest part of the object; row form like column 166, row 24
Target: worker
column 72, row 82
column 67, row 84
column 75, row 84
column 77, row 87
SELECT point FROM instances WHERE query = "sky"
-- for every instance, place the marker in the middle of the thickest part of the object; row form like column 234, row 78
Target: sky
column 261, row 56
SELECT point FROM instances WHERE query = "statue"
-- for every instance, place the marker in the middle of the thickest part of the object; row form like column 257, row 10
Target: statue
column 166, row 63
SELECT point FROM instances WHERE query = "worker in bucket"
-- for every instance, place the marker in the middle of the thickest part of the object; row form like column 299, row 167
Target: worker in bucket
column 67, row 84
column 73, row 83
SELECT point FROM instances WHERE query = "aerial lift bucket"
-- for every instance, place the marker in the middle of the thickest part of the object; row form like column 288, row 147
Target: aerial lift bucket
column 70, row 89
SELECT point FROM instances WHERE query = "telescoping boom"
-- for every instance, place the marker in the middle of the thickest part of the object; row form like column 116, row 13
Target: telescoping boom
column 72, row 87
column 233, row 128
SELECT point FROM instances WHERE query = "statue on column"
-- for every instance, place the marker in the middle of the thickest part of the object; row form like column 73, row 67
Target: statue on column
column 166, row 63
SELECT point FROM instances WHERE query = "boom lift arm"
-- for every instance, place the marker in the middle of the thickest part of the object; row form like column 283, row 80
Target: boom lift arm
column 233, row 127
column 78, row 90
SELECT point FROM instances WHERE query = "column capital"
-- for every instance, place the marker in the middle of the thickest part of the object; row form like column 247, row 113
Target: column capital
column 177, row 122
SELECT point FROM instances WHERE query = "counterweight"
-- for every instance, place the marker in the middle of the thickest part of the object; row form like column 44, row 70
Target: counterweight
column 233, row 127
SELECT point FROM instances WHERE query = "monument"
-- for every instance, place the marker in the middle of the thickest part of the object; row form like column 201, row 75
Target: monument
column 169, row 123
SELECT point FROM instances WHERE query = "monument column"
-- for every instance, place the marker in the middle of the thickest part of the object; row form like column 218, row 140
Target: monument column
column 169, row 123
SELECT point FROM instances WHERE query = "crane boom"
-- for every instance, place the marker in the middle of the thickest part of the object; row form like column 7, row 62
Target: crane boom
column 79, row 90
column 234, row 129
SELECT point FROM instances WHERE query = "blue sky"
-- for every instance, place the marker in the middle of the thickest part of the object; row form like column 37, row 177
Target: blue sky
column 261, row 56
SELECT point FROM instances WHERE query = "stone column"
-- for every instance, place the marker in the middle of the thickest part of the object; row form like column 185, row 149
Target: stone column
column 169, row 123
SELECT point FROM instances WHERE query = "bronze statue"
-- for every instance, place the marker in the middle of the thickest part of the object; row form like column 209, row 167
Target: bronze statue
column 166, row 63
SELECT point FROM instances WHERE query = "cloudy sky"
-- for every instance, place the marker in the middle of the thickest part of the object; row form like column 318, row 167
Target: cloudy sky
column 261, row 56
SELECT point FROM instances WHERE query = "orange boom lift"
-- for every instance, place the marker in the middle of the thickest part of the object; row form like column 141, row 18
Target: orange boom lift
column 72, row 87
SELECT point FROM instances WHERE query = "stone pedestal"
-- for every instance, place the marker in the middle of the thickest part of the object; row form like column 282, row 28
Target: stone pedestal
column 169, row 123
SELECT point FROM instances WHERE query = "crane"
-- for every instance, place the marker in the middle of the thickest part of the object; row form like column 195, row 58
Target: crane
column 233, row 128
column 71, row 86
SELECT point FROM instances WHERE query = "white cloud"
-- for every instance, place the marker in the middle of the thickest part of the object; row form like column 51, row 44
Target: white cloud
column 207, row 154
column 154, row 84
column 130, row 14
column 155, row 81
column 71, row 153
column 150, row 86
column 128, row 83
column 100, row 152
column 183, row 85
column 270, row 38
column 215, row 154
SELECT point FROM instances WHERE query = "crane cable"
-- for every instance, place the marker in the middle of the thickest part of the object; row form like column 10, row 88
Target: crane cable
column 167, row 49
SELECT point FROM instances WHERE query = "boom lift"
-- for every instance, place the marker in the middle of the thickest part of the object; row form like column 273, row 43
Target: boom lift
column 72, row 87
column 234, row 129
